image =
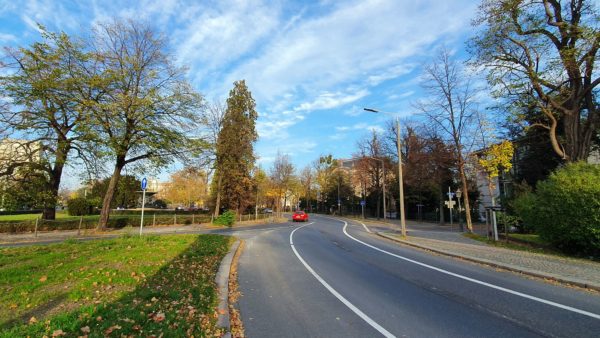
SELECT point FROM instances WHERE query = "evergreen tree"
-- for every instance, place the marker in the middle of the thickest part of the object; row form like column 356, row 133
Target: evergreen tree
column 235, row 151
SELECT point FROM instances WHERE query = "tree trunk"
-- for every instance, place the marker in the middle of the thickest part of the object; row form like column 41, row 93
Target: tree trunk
column 218, row 200
column 62, row 150
column 463, row 178
column 110, row 193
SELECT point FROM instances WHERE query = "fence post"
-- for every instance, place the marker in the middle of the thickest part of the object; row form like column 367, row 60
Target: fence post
column 193, row 218
column 154, row 220
column 175, row 219
column 36, row 226
column 79, row 229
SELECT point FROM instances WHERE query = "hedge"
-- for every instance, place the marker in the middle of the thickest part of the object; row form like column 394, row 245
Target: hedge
column 115, row 221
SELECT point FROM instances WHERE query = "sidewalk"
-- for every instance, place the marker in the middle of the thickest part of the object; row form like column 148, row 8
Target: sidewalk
column 440, row 239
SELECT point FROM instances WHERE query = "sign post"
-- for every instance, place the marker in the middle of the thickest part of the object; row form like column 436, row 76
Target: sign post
column 450, row 204
column 144, row 186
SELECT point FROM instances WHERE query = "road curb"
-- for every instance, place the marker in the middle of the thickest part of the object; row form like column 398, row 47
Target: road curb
column 222, row 280
column 509, row 267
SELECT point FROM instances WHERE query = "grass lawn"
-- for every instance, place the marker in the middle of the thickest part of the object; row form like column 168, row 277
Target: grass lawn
column 29, row 217
column 146, row 286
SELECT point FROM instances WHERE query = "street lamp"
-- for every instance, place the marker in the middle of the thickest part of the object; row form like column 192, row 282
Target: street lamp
column 400, row 183
column 458, row 196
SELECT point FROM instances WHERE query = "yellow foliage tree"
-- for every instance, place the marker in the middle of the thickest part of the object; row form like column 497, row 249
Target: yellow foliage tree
column 187, row 187
column 497, row 157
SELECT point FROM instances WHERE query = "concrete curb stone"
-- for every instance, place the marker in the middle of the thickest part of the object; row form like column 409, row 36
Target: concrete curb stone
column 222, row 280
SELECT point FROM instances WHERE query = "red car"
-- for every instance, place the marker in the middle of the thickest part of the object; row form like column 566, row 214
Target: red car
column 300, row 216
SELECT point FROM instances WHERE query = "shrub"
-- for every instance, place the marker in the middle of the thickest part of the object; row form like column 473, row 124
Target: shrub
column 78, row 206
column 564, row 210
column 523, row 206
column 227, row 218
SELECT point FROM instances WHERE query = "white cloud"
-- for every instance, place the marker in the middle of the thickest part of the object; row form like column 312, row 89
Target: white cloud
column 7, row 37
column 328, row 100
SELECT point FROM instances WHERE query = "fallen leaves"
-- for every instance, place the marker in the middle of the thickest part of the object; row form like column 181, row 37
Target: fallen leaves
column 111, row 329
column 159, row 317
column 85, row 329
column 58, row 333
column 43, row 279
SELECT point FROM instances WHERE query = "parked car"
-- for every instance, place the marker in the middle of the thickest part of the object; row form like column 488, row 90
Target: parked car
column 267, row 211
column 300, row 216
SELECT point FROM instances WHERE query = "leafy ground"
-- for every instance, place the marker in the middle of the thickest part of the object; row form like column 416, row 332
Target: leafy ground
column 149, row 286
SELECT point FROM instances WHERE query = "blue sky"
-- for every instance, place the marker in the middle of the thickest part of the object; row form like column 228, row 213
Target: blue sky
column 311, row 65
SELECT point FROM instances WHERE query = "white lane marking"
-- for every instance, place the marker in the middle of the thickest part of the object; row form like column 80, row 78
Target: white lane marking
column 363, row 224
column 476, row 281
column 337, row 295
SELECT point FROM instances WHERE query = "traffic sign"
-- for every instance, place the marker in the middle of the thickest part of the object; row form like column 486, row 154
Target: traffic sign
column 363, row 203
column 144, row 183
column 450, row 204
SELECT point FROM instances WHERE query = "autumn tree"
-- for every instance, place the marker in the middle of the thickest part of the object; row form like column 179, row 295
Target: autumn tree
column 496, row 158
column 43, row 82
column 186, row 187
column 450, row 107
column 307, row 181
column 282, row 174
column 371, row 167
column 541, row 58
column 146, row 110
column 262, row 186
column 235, row 151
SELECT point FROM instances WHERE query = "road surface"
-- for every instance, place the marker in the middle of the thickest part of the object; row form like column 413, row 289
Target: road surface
column 328, row 278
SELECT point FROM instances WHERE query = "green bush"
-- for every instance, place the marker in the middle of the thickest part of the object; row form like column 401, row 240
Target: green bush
column 565, row 209
column 78, row 206
column 227, row 218
column 524, row 206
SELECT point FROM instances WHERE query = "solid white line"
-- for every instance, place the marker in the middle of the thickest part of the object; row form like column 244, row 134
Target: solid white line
column 476, row 281
column 363, row 224
column 351, row 306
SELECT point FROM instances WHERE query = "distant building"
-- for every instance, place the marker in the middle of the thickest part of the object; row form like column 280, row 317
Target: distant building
column 15, row 151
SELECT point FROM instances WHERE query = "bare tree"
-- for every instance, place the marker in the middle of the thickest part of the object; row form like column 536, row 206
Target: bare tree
column 212, row 118
column 451, row 107
column 281, row 175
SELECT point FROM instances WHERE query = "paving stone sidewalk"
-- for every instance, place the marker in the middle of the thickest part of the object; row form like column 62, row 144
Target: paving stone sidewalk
column 579, row 272
column 447, row 241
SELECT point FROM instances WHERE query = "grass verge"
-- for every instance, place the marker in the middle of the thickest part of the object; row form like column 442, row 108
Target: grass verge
column 149, row 286
column 532, row 244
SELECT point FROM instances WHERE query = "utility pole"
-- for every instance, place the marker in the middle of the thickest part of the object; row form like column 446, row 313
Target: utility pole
column 400, row 183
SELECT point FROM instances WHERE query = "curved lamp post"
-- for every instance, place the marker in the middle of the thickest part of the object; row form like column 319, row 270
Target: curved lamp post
column 400, row 180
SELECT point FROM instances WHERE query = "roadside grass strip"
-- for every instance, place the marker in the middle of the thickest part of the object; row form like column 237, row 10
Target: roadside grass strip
column 130, row 286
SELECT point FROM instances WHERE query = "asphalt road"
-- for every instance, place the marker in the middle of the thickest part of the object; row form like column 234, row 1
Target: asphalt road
column 328, row 279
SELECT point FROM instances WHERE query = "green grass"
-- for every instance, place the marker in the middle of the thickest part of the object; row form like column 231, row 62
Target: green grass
column 515, row 246
column 113, row 287
column 529, row 238
column 28, row 217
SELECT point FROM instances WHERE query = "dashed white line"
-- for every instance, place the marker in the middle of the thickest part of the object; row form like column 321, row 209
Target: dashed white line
column 476, row 281
column 337, row 295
